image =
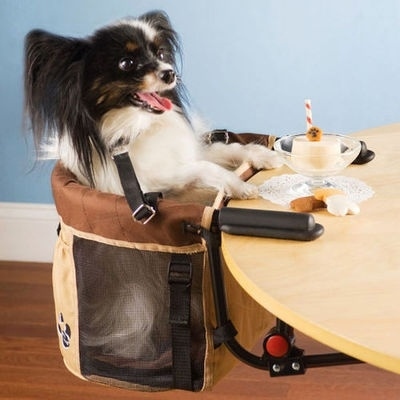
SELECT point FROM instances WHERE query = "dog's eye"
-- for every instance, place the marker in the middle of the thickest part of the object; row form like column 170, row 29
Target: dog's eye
column 126, row 64
column 161, row 54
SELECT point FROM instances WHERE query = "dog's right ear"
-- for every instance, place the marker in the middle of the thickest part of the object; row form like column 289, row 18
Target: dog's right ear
column 49, row 56
column 48, row 53
column 53, row 69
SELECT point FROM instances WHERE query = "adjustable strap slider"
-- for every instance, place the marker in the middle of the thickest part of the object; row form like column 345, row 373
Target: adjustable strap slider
column 217, row 135
column 144, row 213
column 180, row 270
column 118, row 150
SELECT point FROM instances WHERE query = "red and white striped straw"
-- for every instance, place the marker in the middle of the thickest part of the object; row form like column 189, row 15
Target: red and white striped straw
column 309, row 122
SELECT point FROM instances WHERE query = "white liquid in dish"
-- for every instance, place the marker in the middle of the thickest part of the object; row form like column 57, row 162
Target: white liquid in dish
column 318, row 155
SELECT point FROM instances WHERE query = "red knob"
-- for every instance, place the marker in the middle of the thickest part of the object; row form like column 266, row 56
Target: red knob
column 276, row 346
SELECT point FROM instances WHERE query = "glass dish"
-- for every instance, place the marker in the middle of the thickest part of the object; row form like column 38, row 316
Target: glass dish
column 317, row 160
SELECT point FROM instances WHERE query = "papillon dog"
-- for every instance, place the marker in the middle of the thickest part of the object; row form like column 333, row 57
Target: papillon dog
column 120, row 86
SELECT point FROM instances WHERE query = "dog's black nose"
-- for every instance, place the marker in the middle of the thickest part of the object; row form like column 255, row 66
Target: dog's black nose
column 168, row 76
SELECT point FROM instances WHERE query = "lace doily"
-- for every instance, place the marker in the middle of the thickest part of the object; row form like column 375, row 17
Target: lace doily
column 278, row 188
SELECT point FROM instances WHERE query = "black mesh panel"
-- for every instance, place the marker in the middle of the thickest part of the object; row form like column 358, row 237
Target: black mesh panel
column 123, row 301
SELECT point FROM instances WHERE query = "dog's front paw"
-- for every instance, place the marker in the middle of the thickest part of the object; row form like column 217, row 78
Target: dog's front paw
column 262, row 158
column 242, row 191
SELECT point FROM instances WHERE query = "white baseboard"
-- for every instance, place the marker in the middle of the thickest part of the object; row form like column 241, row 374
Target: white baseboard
column 27, row 232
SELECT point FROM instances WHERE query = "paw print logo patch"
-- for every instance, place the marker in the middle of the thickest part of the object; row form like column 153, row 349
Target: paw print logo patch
column 64, row 331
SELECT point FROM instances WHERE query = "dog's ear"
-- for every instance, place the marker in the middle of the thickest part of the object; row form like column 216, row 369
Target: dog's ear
column 53, row 94
column 158, row 19
column 53, row 69
column 160, row 22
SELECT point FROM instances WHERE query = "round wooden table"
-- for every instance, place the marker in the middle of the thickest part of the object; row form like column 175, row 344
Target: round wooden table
column 342, row 289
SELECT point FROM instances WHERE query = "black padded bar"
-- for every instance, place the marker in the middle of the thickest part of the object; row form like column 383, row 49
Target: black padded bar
column 265, row 223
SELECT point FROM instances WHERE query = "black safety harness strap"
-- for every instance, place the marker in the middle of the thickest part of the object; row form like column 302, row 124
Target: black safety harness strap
column 143, row 206
column 180, row 282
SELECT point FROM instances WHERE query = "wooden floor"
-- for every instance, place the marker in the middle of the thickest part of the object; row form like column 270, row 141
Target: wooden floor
column 31, row 366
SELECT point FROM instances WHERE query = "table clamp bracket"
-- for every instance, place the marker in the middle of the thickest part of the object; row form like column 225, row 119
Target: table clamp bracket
column 284, row 358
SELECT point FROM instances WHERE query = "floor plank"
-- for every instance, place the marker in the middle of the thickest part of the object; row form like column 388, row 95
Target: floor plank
column 31, row 366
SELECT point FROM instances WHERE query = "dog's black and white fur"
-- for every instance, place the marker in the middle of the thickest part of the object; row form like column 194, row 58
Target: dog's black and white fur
column 120, row 86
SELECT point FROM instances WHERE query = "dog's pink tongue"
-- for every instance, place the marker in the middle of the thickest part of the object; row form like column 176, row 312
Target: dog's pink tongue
column 156, row 101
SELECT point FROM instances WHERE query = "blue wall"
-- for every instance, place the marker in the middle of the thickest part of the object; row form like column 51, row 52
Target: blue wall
column 248, row 66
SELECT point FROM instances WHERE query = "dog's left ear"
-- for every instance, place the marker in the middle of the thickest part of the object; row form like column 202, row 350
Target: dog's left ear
column 158, row 19
column 160, row 22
